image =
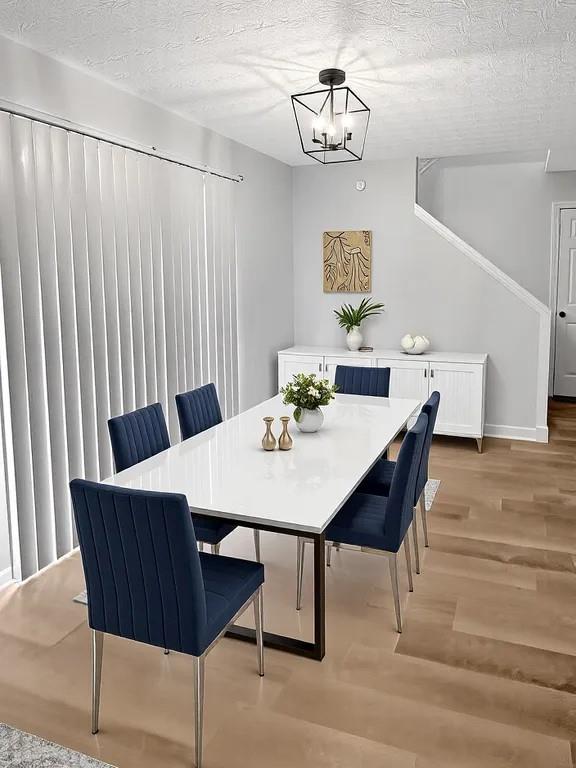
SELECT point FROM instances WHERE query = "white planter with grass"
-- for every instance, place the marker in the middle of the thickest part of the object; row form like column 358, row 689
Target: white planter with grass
column 354, row 339
column 350, row 318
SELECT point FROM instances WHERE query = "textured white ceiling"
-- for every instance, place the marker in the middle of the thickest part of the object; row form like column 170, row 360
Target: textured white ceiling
column 442, row 77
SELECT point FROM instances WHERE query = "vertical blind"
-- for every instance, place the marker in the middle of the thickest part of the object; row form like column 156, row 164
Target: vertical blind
column 119, row 286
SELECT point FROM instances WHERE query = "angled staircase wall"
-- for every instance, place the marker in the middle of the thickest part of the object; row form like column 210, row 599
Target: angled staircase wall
column 541, row 311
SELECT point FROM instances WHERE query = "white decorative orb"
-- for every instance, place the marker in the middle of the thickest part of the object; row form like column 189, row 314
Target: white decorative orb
column 414, row 345
column 407, row 343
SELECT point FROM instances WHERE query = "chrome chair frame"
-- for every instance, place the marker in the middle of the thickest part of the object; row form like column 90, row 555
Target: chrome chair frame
column 392, row 561
column 97, row 653
column 424, row 516
column 301, row 542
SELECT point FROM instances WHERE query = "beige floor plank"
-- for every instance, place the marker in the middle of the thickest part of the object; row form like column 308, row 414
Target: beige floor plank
column 500, row 658
column 421, row 727
column 524, row 618
column 534, row 708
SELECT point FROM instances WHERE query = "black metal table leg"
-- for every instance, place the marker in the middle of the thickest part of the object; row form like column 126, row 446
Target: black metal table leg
column 319, row 596
column 311, row 650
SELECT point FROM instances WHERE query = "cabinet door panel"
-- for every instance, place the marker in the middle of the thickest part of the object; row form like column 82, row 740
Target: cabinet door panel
column 460, row 388
column 288, row 365
column 408, row 378
column 330, row 364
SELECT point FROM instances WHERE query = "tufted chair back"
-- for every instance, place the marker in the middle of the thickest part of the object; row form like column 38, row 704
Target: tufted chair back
column 360, row 380
column 198, row 410
column 137, row 435
column 141, row 565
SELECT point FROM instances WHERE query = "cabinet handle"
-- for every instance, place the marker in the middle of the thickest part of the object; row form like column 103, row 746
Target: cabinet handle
column 425, row 373
column 432, row 373
column 320, row 367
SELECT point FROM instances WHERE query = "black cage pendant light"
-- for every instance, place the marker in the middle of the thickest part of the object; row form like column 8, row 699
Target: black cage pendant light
column 333, row 121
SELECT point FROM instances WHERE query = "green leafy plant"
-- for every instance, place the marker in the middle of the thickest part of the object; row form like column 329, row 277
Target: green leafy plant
column 350, row 317
column 307, row 391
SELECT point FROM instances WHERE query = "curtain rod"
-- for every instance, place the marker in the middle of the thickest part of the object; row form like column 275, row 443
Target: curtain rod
column 61, row 122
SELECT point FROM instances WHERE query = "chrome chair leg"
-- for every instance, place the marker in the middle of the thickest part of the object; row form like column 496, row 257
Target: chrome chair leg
column 416, row 545
column 328, row 553
column 97, row 647
column 257, row 544
column 259, row 624
column 299, row 570
column 395, row 591
column 408, row 561
column 199, row 706
column 423, row 514
column 215, row 549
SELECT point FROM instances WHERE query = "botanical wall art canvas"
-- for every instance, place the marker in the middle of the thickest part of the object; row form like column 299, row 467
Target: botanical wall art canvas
column 347, row 261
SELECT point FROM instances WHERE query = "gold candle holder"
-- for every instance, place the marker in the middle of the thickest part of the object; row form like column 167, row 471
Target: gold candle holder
column 268, row 441
column 285, row 442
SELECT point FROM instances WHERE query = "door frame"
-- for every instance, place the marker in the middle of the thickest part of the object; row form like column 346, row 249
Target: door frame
column 557, row 208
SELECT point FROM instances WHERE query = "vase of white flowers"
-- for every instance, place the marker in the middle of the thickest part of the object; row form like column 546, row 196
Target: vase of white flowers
column 308, row 393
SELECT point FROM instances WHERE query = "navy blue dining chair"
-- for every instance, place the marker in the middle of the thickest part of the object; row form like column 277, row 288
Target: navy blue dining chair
column 362, row 380
column 143, row 433
column 350, row 380
column 382, row 523
column 380, row 477
column 146, row 581
column 138, row 435
column 359, row 380
column 198, row 410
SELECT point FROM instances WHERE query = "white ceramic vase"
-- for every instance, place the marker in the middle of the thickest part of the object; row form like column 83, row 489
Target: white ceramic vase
column 308, row 420
column 354, row 339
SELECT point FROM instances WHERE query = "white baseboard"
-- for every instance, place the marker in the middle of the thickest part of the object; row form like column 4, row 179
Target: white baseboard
column 533, row 434
column 5, row 576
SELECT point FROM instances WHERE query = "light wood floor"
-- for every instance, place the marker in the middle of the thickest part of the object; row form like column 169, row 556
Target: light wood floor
column 484, row 674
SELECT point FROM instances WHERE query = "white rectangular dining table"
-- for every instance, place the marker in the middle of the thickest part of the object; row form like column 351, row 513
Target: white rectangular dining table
column 224, row 472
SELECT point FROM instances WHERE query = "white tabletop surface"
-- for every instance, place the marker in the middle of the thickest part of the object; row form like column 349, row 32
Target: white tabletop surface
column 224, row 472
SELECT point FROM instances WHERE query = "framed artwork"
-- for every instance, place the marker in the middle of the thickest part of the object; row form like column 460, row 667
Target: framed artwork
column 347, row 261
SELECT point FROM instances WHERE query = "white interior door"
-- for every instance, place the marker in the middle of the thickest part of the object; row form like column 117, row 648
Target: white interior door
column 289, row 365
column 331, row 363
column 565, row 364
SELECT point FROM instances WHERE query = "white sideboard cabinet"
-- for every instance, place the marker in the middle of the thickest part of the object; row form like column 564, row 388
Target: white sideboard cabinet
column 459, row 377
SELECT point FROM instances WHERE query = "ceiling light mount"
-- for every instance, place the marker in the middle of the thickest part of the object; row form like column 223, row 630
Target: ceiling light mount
column 332, row 77
column 332, row 122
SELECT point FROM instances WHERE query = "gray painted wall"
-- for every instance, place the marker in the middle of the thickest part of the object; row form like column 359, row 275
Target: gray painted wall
column 264, row 200
column 428, row 286
column 502, row 208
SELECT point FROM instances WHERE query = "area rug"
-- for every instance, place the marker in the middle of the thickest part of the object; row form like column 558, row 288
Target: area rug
column 81, row 598
column 429, row 495
column 22, row 750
